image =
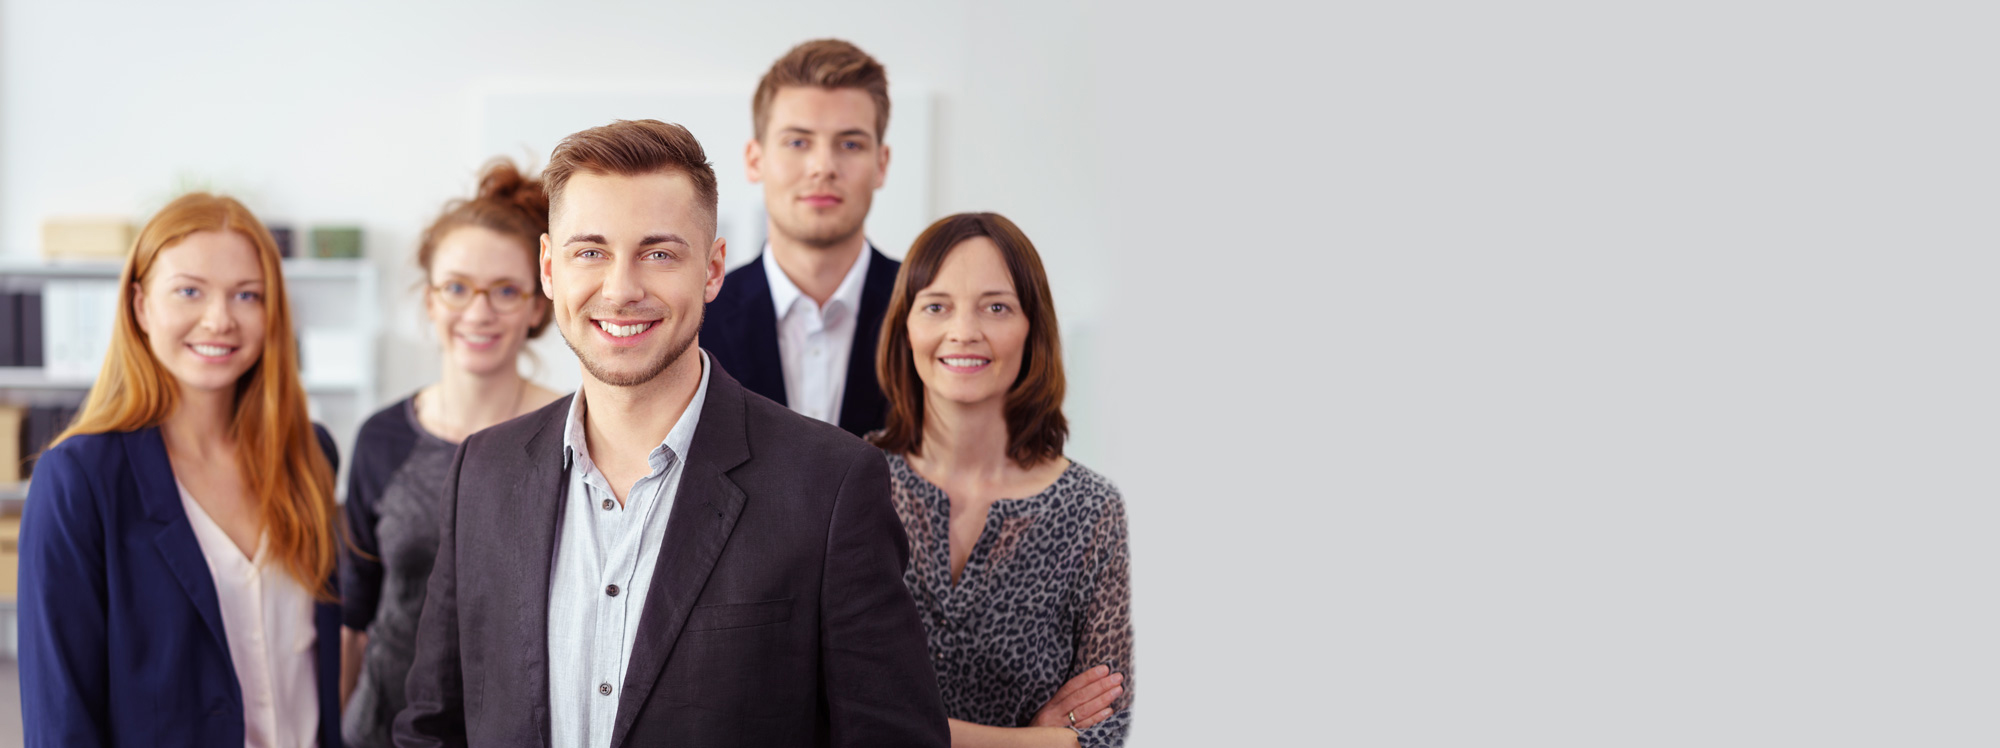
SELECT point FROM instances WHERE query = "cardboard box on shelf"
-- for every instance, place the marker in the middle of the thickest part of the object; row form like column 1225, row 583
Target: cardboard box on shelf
column 13, row 419
column 87, row 238
column 10, row 556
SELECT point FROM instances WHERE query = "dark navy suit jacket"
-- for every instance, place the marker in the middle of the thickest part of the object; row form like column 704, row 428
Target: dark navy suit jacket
column 741, row 331
column 121, row 635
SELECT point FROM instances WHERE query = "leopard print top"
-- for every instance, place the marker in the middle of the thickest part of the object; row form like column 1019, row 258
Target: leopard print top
column 1045, row 596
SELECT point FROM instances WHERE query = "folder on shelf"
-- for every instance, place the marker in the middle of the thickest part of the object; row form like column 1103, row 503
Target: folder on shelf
column 77, row 319
column 10, row 329
column 31, row 328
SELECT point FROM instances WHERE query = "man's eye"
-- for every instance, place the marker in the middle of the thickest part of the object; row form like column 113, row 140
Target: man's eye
column 508, row 292
column 659, row 254
column 796, row 143
column 851, row 145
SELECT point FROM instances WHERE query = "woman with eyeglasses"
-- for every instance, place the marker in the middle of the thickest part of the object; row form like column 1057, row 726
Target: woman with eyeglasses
column 480, row 263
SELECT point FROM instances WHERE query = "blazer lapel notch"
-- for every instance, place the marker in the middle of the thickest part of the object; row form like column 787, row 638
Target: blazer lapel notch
column 146, row 452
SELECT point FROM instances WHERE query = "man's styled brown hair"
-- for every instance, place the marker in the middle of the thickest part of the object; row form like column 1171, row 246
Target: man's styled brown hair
column 828, row 64
column 1036, row 428
column 630, row 148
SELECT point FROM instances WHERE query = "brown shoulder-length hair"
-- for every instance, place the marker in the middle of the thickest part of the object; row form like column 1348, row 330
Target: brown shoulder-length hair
column 276, row 450
column 1036, row 428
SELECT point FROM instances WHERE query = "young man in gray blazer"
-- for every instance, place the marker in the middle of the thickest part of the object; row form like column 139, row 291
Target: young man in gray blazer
column 663, row 558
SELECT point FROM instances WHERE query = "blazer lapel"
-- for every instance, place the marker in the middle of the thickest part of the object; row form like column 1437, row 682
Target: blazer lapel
column 862, row 402
column 532, row 502
column 704, row 513
column 175, row 539
column 755, row 329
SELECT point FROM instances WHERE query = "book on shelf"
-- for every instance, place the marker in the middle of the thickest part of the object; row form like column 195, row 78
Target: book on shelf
column 24, row 432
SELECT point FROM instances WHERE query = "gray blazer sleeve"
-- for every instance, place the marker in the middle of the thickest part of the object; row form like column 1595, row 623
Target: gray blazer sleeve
column 880, row 687
column 434, row 716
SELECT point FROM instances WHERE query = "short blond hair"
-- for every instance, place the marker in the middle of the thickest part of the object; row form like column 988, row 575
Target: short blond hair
column 828, row 64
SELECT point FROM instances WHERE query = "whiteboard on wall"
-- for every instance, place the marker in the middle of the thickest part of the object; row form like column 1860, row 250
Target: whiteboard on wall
column 526, row 125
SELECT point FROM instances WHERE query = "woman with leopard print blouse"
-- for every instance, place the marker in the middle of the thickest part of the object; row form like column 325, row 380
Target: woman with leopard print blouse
column 1018, row 561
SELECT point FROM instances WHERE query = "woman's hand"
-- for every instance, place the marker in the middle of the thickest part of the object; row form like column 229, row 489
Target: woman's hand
column 1084, row 701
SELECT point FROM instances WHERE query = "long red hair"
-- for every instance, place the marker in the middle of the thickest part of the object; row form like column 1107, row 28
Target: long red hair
column 280, row 457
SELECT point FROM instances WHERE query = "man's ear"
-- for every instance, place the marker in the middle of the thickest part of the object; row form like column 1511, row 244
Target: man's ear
column 882, row 166
column 753, row 161
column 717, row 252
column 548, row 285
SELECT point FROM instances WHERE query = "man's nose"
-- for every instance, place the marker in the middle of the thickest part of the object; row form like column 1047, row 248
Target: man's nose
column 819, row 162
column 621, row 284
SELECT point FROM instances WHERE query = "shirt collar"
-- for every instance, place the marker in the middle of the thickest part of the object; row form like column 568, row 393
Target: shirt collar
column 847, row 295
column 576, row 449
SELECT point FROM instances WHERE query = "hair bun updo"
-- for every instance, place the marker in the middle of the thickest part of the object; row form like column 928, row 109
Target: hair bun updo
column 507, row 202
column 501, row 184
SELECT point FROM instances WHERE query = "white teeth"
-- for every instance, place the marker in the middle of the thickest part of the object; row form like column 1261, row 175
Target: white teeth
column 624, row 331
column 966, row 362
column 212, row 350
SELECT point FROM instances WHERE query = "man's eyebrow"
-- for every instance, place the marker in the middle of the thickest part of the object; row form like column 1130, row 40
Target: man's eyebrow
column 586, row 238
column 849, row 132
column 652, row 239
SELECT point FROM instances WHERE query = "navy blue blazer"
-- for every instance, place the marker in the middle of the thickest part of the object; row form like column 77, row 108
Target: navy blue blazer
column 121, row 636
column 740, row 330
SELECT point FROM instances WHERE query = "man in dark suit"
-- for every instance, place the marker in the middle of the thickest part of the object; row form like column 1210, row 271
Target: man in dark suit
column 799, row 323
column 664, row 558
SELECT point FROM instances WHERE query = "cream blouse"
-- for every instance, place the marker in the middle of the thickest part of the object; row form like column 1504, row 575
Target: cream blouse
column 267, row 617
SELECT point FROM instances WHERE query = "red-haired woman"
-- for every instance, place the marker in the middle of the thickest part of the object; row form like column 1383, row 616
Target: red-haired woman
column 1017, row 555
column 177, row 552
column 479, row 260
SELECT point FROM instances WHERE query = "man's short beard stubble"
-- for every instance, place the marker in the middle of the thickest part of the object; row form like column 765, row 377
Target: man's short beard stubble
column 675, row 349
column 823, row 238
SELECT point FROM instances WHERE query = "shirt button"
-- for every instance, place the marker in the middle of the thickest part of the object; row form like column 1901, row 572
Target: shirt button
column 611, row 590
column 604, row 688
column 607, row 505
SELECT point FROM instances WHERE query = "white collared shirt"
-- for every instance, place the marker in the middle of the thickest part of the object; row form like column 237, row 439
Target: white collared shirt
column 267, row 618
column 604, row 559
column 815, row 342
